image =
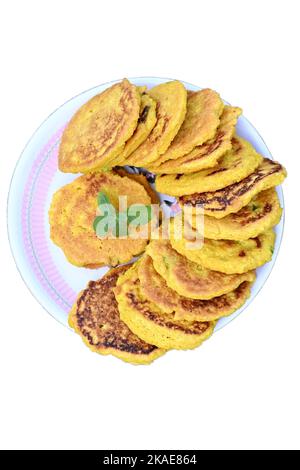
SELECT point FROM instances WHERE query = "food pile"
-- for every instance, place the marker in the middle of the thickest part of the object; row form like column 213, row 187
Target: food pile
column 171, row 296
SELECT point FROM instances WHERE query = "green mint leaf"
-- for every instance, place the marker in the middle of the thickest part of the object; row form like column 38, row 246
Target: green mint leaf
column 96, row 221
column 102, row 198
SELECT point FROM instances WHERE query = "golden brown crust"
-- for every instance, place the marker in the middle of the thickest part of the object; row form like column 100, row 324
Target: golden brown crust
column 261, row 214
column 207, row 154
column 232, row 198
column 191, row 279
column 233, row 166
column 154, row 288
column 170, row 112
column 95, row 316
column 146, row 122
column 202, row 118
column 226, row 256
column 151, row 324
column 99, row 129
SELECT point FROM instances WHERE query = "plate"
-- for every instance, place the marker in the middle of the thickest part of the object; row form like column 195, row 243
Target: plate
column 52, row 280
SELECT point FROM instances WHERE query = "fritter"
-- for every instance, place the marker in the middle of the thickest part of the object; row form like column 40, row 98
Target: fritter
column 232, row 198
column 97, row 133
column 206, row 155
column 170, row 100
column 73, row 210
column 95, row 317
column 235, row 165
column 188, row 278
column 146, row 122
column 227, row 256
column 154, row 288
column 146, row 320
column 262, row 213
column 202, row 118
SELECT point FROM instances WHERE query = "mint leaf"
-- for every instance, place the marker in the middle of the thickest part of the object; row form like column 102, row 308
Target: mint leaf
column 119, row 221
column 102, row 199
column 96, row 221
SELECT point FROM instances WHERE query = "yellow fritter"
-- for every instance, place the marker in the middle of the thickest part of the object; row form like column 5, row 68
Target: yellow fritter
column 227, row 256
column 170, row 100
column 146, row 122
column 73, row 210
column 231, row 199
column 262, row 213
column 202, row 118
column 97, row 133
column 188, row 278
column 154, row 288
column 206, row 155
column 149, row 323
column 96, row 318
column 235, row 165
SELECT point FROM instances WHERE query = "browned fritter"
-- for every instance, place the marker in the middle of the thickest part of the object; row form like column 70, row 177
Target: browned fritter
column 237, row 195
column 95, row 317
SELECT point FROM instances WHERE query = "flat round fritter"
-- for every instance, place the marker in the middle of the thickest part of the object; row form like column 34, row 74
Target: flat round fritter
column 232, row 198
column 226, row 256
column 146, row 122
column 188, row 278
column 236, row 164
column 261, row 214
column 202, row 118
column 73, row 210
column 154, row 326
column 95, row 317
column 154, row 288
column 97, row 133
column 207, row 154
column 170, row 100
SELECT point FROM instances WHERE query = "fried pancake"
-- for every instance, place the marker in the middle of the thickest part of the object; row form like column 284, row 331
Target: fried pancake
column 154, row 288
column 96, row 318
column 146, row 122
column 206, row 155
column 202, row 118
column 170, row 100
column 262, row 213
column 97, row 133
column 72, row 213
column 146, row 320
column 188, row 278
column 235, row 165
column 232, row 198
column 227, row 256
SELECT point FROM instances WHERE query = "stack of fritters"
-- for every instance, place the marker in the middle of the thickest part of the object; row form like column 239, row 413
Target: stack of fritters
column 172, row 302
column 124, row 125
column 173, row 295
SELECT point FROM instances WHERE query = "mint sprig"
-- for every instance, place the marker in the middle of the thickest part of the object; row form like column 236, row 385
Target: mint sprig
column 118, row 222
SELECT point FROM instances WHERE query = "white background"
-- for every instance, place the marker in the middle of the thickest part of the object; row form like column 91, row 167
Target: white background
column 241, row 388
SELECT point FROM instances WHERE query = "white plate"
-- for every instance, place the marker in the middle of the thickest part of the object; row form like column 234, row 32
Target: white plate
column 50, row 277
